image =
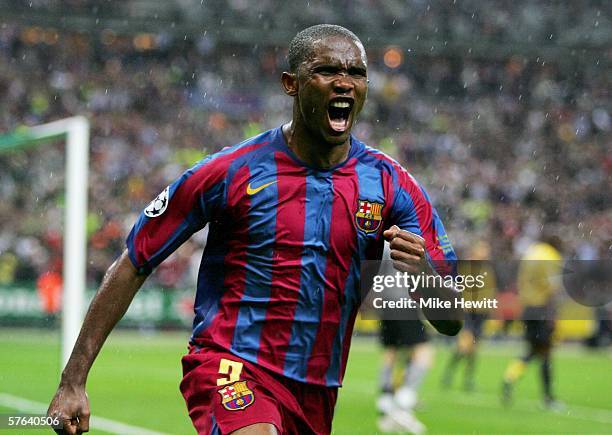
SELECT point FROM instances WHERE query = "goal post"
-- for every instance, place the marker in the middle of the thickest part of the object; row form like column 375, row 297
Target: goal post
column 76, row 133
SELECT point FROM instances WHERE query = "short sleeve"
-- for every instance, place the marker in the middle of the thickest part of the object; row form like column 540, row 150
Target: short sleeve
column 180, row 210
column 412, row 211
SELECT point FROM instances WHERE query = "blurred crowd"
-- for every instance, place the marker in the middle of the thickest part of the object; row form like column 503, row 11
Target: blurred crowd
column 504, row 147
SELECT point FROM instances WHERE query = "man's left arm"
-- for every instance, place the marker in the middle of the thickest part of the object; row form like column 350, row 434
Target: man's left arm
column 409, row 254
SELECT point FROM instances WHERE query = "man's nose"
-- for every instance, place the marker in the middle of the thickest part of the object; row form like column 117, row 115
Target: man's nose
column 343, row 83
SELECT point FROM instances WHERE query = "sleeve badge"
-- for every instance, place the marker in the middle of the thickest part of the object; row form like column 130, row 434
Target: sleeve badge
column 158, row 205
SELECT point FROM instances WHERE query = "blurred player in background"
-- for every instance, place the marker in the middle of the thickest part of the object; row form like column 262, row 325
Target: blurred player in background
column 292, row 213
column 539, row 284
column 469, row 337
column 406, row 359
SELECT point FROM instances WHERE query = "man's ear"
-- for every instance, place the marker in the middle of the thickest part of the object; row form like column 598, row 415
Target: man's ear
column 290, row 83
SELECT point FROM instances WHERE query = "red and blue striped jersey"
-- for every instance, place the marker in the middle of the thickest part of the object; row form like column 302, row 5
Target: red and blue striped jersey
column 279, row 279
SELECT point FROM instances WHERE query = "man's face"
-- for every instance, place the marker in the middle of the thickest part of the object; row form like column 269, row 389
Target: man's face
column 332, row 88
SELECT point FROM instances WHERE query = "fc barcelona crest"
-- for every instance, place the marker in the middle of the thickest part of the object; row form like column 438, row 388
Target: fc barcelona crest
column 236, row 396
column 369, row 216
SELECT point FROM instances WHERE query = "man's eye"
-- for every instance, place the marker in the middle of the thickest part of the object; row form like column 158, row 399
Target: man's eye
column 357, row 72
column 325, row 71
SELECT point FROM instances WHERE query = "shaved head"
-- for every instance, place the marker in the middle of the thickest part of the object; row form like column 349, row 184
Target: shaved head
column 302, row 45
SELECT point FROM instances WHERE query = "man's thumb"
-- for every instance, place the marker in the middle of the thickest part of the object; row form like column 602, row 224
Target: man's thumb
column 391, row 233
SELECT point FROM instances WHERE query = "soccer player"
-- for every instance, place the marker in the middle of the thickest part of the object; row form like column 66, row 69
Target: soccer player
column 292, row 214
column 469, row 337
column 539, row 282
column 407, row 353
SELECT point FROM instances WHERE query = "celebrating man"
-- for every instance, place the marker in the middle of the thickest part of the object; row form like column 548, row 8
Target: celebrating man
column 292, row 213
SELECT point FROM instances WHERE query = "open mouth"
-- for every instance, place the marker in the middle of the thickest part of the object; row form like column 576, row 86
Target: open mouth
column 339, row 111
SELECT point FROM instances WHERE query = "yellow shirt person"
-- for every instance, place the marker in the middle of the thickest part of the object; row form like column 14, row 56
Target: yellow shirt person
column 539, row 275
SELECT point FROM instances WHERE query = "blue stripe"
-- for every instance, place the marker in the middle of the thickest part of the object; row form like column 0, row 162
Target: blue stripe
column 210, row 281
column 309, row 308
column 404, row 211
column 258, row 280
column 214, row 428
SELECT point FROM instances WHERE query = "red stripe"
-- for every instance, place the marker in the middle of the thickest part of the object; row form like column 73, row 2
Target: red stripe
column 156, row 231
column 287, row 262
column 223, row 325
column 342, row 245
column 424, row 214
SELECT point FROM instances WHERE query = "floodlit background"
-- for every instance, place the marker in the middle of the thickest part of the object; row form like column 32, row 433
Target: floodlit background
column 501, row 109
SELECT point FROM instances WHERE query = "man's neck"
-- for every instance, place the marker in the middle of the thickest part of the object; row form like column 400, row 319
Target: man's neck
column 313, row 152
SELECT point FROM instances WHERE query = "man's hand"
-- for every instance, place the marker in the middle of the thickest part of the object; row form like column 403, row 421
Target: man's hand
column 71, row 406
column 110, row 303
column 407, row 250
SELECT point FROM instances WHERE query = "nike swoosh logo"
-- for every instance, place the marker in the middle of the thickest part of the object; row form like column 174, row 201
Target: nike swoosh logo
column 254, row 190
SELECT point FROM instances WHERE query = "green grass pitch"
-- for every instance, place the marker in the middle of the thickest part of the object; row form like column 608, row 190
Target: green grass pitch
column 135, row 381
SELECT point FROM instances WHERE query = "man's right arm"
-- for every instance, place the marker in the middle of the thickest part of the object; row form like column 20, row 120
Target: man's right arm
column 108, row 306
